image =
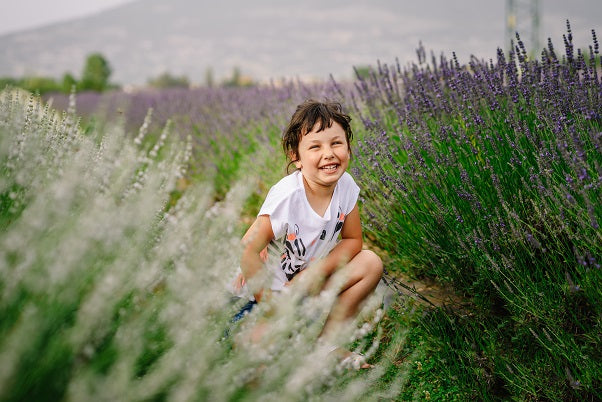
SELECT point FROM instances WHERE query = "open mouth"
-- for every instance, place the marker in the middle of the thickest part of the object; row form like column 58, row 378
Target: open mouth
column 329, row 168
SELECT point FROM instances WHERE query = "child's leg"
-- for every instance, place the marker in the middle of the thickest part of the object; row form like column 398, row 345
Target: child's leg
column 362, row 274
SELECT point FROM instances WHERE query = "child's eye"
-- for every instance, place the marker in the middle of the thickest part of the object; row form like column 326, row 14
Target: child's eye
column 313, row 147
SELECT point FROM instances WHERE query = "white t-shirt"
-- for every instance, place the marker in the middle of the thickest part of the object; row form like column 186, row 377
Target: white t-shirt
column 300, row 234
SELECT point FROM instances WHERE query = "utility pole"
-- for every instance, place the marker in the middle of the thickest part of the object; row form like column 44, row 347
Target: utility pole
column 522, row 16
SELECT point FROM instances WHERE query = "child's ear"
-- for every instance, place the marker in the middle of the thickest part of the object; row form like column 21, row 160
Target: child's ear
column 294, row 159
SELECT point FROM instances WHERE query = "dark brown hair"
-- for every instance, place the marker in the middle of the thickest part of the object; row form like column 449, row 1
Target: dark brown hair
column 305, row 118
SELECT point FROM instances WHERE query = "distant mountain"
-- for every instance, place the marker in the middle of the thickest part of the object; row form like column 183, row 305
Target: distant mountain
column 308, row 39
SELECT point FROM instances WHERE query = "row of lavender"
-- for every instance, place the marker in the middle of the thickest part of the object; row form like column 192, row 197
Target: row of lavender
column 229, row 127
column 488, row 176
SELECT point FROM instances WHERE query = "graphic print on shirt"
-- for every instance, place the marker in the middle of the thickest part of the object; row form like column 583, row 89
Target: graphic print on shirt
column 292, row 259
column 339, row 224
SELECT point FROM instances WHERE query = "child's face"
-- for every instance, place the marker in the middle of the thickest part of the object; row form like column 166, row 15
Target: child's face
column 324, row 155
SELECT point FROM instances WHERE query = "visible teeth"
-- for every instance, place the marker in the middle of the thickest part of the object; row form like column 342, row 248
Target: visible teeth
column 330, row 167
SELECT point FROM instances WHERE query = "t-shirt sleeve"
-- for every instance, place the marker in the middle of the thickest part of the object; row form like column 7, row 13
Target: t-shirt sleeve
column 276, row 206
column 351, row 191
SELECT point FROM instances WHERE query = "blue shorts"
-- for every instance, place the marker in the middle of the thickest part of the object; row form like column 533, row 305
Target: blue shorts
column 246, row 309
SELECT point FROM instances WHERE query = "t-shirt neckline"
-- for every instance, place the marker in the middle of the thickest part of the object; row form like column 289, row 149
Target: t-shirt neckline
column 327, row 211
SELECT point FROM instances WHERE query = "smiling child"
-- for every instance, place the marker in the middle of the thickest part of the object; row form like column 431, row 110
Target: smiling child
column 312, row 216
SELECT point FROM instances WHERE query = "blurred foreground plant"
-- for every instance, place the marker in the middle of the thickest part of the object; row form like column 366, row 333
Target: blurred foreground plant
column 110, row 289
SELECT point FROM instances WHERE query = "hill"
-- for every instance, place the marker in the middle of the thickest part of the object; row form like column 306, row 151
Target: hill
column 265, row 38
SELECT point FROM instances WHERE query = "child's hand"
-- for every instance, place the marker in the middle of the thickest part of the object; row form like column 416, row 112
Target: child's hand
column 238, row 283
column 312, row 280
column 263, row 254
column 295, row 278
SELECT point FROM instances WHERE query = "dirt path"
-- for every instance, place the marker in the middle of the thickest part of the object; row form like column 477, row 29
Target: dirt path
column 427, row 292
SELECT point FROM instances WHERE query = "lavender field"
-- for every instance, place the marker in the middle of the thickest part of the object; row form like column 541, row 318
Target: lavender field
column 120, row 221
column 487, row 176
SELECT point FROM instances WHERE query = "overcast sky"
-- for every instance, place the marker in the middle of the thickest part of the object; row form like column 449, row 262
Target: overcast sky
column 464, row 26
column 18, row 15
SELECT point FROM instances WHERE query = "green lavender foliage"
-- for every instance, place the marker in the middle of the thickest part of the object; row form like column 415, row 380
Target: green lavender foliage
column 487, row 176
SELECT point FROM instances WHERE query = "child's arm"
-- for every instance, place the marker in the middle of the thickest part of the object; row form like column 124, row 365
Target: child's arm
column 349, row 246
column 254, row 242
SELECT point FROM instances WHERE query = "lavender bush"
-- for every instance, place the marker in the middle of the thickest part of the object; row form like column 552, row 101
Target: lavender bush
column 112, row 290
column 488, row 176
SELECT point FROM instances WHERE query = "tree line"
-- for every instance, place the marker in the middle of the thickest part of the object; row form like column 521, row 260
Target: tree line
column 95, row 77
column 97, row 71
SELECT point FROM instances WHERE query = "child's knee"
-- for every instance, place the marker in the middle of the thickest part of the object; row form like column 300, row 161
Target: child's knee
column 373, row 263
